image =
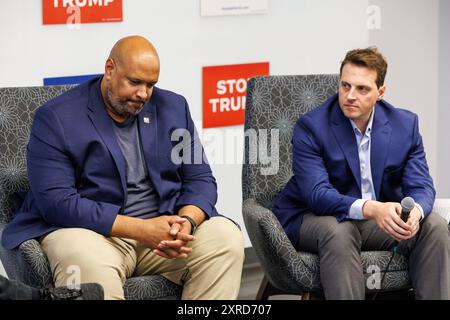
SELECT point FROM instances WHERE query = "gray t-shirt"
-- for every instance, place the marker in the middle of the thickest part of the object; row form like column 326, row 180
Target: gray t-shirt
column 142, row 198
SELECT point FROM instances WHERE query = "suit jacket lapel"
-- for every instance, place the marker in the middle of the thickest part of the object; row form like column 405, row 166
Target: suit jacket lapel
column 380, row 141
column 345, row 136
column 102, row 122
column 148, row 131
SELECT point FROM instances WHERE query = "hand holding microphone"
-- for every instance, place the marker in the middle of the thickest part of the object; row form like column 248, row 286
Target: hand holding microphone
column 407, row 204
column 387, row 214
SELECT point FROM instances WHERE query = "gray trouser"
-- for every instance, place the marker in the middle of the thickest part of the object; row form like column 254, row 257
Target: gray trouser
column 339, row 245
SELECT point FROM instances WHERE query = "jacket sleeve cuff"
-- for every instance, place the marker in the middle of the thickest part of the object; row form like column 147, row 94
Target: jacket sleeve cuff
column 203, row 204
column 109, row 213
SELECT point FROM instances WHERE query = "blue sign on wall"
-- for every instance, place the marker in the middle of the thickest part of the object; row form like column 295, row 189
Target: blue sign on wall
column 69, row 80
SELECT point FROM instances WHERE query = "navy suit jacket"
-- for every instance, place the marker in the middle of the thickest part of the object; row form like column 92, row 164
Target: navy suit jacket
column 327, row 177
column 77, row 172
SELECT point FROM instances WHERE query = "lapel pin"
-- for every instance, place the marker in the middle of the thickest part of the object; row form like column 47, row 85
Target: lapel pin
column 146, row 120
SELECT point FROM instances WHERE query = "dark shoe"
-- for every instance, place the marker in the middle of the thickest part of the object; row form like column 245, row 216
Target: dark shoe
column 86, row 291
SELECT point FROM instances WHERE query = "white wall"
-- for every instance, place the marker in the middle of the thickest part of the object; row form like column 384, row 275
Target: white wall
column 444, row 100
column 296, row 37
column 408, row 37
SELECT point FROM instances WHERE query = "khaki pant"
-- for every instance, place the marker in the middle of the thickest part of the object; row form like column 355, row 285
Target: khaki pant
column 211, row 271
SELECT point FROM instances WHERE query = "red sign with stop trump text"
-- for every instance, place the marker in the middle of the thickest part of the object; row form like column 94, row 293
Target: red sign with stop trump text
column 224, row 90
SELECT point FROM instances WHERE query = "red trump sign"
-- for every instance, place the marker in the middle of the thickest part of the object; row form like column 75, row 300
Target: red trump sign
column 81, row 11
column 224, row 90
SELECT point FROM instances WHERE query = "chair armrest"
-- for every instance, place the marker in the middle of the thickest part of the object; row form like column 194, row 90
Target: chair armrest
column 442, row 208
column 265, row 231
column 266, row 234
column 278, row 257
column 35, row 263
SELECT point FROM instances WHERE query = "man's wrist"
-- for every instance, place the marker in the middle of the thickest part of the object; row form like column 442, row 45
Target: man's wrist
column 192, row 222
column 419, row 207
column 367, row 209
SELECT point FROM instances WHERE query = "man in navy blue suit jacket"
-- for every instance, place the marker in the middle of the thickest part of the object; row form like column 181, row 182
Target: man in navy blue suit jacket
column 354, row 158
column 119, row 186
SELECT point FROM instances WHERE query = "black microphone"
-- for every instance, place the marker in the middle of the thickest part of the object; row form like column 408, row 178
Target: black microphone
column 407, row 204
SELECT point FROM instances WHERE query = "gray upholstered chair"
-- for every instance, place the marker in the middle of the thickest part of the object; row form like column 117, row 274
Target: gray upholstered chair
column 28, row 263
column 276, row 102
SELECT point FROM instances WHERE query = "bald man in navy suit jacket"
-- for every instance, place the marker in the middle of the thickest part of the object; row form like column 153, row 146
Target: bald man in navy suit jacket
column 119, row 186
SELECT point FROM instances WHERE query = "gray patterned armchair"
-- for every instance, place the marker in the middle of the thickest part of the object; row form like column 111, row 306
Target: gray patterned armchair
column 28, row 263
column 276, row 102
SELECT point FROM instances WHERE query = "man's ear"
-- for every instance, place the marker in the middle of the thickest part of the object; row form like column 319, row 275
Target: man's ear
column 109, row 68
column 381, row 92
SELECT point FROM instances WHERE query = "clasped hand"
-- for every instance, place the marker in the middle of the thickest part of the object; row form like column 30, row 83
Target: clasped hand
column 173, row 234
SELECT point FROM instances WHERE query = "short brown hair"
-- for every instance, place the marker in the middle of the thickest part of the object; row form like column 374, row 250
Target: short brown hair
column 370, row 58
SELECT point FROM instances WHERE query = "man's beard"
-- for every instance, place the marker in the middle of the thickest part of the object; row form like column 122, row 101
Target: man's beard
column 120, row 106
